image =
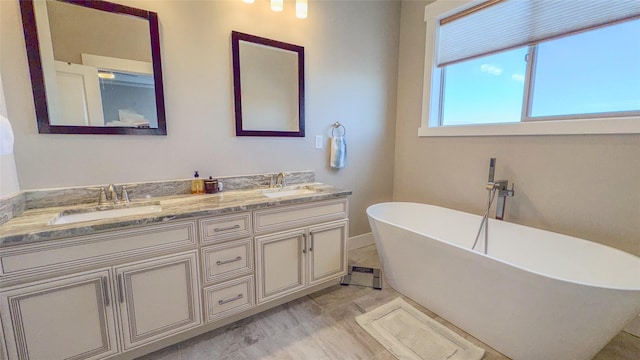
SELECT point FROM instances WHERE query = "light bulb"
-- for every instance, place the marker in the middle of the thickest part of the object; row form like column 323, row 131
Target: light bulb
column 277, row 5
column 106, row 75
column 301, row 9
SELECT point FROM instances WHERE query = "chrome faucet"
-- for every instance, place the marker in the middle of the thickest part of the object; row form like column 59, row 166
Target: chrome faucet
column 110, row 195
column 281, row 180
column 502, row 188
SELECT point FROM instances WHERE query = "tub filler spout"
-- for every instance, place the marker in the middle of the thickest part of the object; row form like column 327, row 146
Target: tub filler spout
column 502, row 187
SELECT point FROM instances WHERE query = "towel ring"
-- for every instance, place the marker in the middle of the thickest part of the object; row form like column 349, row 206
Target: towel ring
column 337, row 125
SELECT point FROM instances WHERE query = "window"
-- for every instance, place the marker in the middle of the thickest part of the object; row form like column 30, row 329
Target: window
column 485, row 90
column 592, row 72
column 564, row 82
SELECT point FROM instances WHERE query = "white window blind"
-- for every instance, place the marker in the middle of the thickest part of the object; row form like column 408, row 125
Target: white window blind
column 500, row 25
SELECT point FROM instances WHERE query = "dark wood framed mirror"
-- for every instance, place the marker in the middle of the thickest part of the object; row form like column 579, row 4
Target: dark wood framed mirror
column 95, row 67
column 268, row 82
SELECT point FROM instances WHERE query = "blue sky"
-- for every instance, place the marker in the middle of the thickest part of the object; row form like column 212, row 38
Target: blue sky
column 591, row 72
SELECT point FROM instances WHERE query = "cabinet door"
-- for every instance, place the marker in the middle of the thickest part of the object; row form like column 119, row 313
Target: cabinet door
column 280, row 264
column 327, row 251
column 158, row 298
column 62, row 318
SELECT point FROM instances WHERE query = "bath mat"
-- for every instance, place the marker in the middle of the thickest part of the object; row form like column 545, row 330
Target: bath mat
column 363, row 276
column 409, row 334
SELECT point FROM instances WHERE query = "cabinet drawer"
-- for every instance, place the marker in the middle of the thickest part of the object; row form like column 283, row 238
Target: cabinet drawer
column 227, row 260
column 64, row 255
column 222, row 228
column 228, row 298
column 299, row 215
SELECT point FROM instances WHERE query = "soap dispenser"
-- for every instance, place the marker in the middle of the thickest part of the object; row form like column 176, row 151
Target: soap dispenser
column 197, row 185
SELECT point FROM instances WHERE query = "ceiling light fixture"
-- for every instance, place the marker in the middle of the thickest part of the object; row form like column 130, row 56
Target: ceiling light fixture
column 106, row 75
column 277, row 5
column 301, row 9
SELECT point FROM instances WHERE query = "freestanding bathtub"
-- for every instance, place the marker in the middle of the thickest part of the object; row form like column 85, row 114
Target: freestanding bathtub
column 536, row 295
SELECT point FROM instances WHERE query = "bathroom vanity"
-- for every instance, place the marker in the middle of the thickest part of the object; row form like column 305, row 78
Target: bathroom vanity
column 125, row 286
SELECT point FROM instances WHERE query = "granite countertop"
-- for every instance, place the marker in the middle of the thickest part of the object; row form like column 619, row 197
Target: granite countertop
column 34, row 225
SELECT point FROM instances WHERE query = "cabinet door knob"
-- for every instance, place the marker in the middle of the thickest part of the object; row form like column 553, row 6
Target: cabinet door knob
column 304, row 243
column 105, row 290
column 120, row 288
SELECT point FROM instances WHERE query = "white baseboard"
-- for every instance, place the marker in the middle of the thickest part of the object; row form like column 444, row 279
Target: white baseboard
column 359, row 241
column 634, row 327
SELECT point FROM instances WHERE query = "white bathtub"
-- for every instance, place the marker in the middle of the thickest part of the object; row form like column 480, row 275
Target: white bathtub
column 537, row 295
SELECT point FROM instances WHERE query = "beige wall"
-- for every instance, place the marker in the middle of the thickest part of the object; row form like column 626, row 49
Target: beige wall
column 351, row 50
column 584, row 186
column 101, row 33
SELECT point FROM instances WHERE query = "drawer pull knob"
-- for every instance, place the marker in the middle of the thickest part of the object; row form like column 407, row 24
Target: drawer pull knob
column 238, row 258
column 236, row 226
column 222, row 302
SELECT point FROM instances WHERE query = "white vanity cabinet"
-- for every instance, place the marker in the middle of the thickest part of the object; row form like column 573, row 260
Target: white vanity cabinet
column 123, row 293
column 281, row 262
column 158, row 298
column 292, row 260
column 73, row 317
column 61, row 318
column 79, row 298
column 228, row 265
column 327, row 252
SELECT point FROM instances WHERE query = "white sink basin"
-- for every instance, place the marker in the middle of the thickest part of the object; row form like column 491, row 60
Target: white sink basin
column 104, row 214
column 282, row 193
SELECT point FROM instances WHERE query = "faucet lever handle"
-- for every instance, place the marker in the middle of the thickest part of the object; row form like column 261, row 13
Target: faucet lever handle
column 102, row 197
column 113, row 195
column 125, row 194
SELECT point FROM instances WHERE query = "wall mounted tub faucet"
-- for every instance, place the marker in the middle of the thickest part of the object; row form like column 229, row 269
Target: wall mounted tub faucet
column 503, row 193
column 502, row 188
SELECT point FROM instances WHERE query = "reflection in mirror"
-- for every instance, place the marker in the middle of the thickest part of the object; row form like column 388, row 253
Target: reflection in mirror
column 95, row 67
column 268, row 86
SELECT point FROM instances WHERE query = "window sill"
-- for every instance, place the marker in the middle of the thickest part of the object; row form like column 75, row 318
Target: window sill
column 629, row 125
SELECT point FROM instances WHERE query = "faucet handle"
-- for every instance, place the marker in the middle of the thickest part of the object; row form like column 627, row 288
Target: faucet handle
column 102, row 197
column 125, row 194
column 113, row 195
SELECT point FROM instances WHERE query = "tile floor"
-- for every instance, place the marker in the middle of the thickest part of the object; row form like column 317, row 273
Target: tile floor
column 322, row 326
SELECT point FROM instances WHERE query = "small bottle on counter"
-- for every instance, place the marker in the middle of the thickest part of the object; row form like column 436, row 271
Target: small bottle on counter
column 197, row 185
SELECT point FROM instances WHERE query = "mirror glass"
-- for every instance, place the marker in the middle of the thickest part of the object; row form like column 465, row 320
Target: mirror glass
column 268, row 86
column 95, row 67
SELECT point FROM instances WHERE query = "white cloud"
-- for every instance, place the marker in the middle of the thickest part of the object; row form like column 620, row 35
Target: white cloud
column 493, row 70
column 518, row 77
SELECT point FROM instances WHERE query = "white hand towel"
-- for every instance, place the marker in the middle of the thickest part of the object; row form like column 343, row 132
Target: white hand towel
column 338, row 152
column 6, row 136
